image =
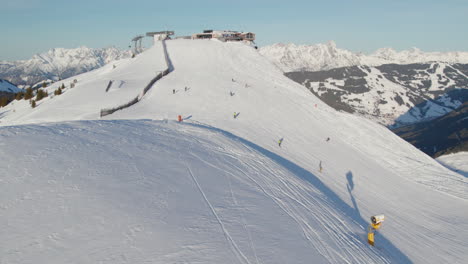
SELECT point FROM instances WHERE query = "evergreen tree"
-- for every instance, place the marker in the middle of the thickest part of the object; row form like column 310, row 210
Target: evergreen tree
column 44, row 84
column 19, row 96
column 29, row 94
column 40, row 94
column 33, row 103
column 58, row 91
column 3, row 101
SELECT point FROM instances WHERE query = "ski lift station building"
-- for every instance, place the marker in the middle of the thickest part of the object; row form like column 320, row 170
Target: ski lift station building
column 160, row 35
column 225, row 35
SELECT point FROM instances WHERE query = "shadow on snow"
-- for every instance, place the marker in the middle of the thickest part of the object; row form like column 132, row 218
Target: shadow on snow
column 297, row 170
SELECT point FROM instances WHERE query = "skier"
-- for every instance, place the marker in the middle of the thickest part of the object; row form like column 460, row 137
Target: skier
column 328, row 139
column 320, row 166
column 173, row 91
column 231, row 93
column 280, row 141
column 185, row 88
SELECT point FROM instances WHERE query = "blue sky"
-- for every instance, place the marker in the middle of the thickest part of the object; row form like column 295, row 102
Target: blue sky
column 34, row 26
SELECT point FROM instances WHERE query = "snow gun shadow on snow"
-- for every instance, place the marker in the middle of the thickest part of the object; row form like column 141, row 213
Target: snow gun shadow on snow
column 350, row 187
column 390, row 249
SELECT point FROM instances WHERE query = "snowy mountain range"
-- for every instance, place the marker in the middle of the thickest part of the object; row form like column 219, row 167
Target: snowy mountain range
column 58, row 63
column 393, row 88
column 391, row 94
column 286, row 179
column 318, row 57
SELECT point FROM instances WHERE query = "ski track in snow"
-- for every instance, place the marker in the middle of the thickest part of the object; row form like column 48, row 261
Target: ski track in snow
column 327, row 218
column 235, row 248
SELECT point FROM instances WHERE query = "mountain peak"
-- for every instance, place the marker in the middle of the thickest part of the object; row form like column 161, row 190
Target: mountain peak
column 325, row 56
column 291, row 57
column 59, row 63
column 331, row 44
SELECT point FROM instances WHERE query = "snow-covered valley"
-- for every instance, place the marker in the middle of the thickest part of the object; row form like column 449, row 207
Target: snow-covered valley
column 136, row 186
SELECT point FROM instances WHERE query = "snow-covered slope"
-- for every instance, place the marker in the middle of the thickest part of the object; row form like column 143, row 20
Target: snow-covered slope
column 318, row 57
column 216, row 188
column 391, row 94
column 58, row 63
column 155, row 192
column 105, row 87
column 457, row 162
column 8, row 87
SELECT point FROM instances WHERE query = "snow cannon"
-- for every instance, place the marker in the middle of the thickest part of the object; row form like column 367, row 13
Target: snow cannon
column 376, row 222
column 377, row 219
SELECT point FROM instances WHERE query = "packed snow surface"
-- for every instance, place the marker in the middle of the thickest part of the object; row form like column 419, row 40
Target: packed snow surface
column 214, row 188
column 457, row 162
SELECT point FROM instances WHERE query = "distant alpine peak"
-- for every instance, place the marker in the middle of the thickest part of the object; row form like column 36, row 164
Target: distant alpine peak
column 57, row 54
column 292, row 57
column 324, row 56
column 59, row 63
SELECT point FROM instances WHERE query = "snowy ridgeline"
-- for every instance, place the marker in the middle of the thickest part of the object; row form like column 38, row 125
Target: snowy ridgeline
column 57, row 64
column 215, row 188
column 319, row 57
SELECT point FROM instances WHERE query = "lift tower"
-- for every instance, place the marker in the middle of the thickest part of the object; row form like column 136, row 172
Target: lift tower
column 137, row 42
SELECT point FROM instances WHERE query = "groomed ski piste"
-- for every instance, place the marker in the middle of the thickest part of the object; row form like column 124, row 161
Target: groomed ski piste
column 137, row 186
